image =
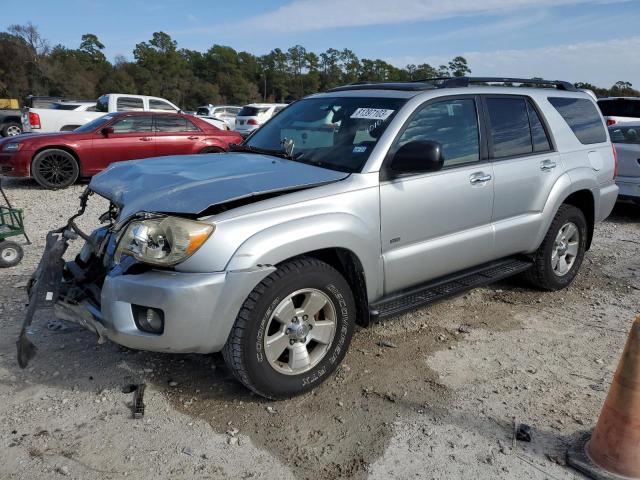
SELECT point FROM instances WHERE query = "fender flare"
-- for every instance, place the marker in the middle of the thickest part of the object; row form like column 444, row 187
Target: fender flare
column 318, row 232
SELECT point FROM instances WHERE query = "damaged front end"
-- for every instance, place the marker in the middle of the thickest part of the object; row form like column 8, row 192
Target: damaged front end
column 70, row 289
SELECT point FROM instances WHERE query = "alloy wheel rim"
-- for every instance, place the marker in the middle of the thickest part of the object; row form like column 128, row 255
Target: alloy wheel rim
column 9, row 254
column 565, row 249
column 12, row 131
column 56, row 168
column 300, row 331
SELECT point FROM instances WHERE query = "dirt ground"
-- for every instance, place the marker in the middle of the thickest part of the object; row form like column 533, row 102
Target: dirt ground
column 438, row 402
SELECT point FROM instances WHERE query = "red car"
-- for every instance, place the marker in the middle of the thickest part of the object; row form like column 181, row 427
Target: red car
column 57, row 160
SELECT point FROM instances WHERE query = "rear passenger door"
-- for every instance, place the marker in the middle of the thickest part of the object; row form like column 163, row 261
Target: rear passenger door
column 525, row 166
column 437, row 223
column 176, row 135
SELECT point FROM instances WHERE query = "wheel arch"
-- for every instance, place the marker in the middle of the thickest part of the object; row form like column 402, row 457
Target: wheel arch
column 584, row 201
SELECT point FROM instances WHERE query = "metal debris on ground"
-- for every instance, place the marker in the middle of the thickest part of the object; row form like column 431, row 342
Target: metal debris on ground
column 464, row 328
column 137, row 408
column 384, row 343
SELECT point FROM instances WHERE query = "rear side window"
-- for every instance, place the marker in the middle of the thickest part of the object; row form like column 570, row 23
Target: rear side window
column 509, row 123
column 171, row 124
column 620, row 107
column 128, row 104
column 453, row 123
column 582, row 117
column 160, row 105
column 539, row 136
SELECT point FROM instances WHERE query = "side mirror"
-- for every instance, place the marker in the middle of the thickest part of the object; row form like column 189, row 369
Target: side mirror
column 106, row 131
column 419, row 156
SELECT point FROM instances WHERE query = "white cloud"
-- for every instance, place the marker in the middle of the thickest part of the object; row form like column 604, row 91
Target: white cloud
column 600, row 63
column 305, row 15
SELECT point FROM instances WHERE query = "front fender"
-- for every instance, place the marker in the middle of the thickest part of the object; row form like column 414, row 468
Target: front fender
column 297, row 237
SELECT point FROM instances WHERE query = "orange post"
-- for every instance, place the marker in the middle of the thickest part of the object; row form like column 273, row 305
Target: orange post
column 613, row 449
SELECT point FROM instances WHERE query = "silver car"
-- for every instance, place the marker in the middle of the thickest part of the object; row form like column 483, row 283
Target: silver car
column 626, row 139
column 349, row 206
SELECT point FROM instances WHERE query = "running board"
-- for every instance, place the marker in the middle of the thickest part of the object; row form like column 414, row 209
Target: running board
column 409, row 299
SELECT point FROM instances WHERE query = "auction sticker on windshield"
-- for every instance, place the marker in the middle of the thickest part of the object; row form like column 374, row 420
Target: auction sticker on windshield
column 372, row 113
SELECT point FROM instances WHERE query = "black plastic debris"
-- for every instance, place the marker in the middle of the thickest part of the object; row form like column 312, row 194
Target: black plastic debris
column 523, row 433
column 137, row 408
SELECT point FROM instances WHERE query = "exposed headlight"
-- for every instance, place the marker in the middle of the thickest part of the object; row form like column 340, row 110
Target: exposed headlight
column 11, row 147
column 162, row 241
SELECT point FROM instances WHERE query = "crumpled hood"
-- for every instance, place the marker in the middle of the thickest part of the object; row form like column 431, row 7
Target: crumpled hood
column 189, row 184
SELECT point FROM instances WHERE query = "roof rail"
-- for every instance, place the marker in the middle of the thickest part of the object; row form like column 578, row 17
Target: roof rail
column 455, row 82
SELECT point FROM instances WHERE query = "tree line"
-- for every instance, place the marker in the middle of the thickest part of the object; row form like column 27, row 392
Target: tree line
column 29, row 65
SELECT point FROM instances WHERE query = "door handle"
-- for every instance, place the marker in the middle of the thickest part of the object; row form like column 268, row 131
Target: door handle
column 193, row 138
column 146, row 139
column 479, row 177
column 547, row 165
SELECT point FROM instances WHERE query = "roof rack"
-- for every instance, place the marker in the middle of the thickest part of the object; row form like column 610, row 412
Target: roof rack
column 453, row 82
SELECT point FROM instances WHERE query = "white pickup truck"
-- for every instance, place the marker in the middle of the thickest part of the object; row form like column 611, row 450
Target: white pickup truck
column 47, row 120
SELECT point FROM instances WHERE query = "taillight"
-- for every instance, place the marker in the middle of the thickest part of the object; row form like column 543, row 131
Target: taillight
column 34, row 120
column 615, row 161
column 252, row 121
column 611, row 121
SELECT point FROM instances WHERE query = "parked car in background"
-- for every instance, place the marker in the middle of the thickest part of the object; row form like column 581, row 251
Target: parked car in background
column 626, row 138
column 228, row 113
column 44, row 120
column 216, row 122
column 57, row 160
column 273, row 254
column 252, row 116
column 10, row 123
column 620, row 109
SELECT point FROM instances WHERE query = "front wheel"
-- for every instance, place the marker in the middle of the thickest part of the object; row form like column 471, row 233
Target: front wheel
column 293, row 330
column 11, row 129
column 557, row 261
column 55, row 168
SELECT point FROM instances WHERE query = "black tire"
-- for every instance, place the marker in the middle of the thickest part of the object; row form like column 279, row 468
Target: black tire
column 54, row 168
column 542, row 274
column 244, row 351
column 11, row 129
column 10, row 254
column 212, row 150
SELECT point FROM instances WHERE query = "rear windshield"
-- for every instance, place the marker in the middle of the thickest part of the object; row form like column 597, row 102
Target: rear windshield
column 622, row 134
column 252, row 111
column 620, row 107
column 582, row 117
column 204, row 111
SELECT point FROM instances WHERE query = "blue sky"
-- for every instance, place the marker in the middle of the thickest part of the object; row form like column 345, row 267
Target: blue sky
column 577, row 40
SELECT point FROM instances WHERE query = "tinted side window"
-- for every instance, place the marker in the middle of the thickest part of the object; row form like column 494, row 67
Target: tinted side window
column 509, row 124
column 625, row 134
column 453, row 123
column 582, row 117
column 133, row 124
column 539, row 137
column 128, row 104
column 170, row 123
column 160, row 105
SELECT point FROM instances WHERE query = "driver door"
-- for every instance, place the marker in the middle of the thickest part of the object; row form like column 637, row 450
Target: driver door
column 132, row 139
column 437, row 223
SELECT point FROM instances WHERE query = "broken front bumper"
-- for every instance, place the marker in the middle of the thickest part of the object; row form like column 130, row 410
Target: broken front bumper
column 198, row 309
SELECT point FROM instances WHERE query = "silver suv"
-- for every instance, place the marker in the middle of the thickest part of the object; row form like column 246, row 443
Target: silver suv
column 349, row 206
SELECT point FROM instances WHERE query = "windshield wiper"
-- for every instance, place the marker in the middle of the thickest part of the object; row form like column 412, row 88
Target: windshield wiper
column 260, row 151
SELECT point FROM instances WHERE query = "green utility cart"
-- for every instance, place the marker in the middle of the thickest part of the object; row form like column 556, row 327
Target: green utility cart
column 11, row 225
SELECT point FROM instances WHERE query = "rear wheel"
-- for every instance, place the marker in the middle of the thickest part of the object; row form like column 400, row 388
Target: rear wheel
column 557, row 261
column 55, row 168
column 10, row 254
column 11, row 129
column 293, row 330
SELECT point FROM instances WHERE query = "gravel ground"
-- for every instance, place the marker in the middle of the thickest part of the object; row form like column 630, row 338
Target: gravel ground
column 439, row 402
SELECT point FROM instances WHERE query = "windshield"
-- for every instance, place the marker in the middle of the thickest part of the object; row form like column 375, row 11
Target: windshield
column 620, row 107
column 93, row 124
column 333, row 132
